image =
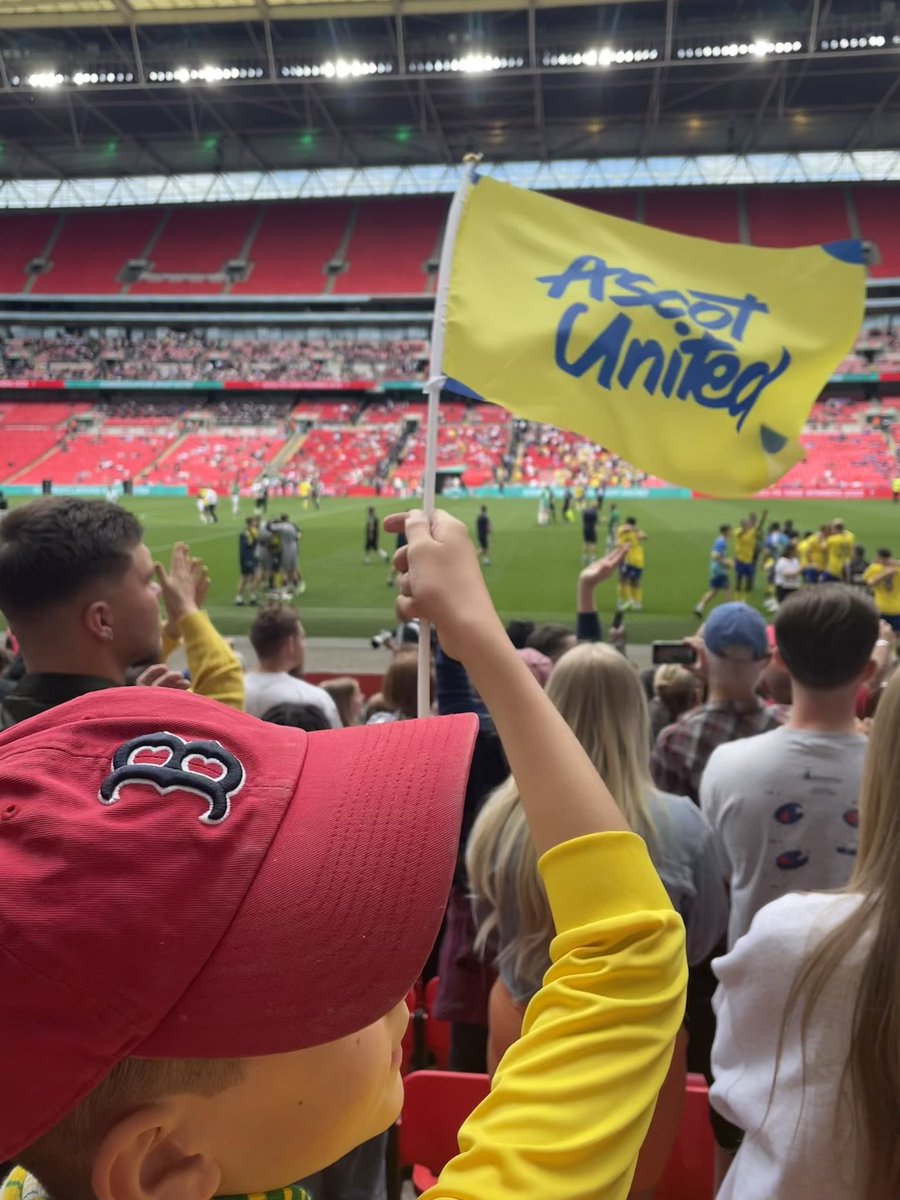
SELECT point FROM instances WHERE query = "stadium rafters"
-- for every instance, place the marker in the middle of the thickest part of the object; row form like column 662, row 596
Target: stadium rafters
column 131, row 87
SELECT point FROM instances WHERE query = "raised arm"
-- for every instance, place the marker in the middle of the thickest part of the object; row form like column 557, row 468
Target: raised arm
column 572, row 1100
column 440, row 580
column 588, row 627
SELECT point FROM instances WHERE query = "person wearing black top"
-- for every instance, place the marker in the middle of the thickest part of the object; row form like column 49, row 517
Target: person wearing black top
column 483, row 529
column 589, row 532
column 373, row 530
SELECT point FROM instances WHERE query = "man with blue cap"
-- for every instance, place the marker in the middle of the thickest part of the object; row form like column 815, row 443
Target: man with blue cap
column 733, row 649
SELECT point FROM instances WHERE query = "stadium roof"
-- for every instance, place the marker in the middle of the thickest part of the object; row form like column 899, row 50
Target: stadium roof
column 99, row 88
column 33, row 13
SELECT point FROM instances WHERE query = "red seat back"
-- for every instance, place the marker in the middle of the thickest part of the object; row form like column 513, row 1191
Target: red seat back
column 689, row 1171
column 435, row 1105
column 437, row 1033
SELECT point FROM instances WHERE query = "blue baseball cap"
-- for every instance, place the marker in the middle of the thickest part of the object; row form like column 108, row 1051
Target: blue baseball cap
column 736, row 626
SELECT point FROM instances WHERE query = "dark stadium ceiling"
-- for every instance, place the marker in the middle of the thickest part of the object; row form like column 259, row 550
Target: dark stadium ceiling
column 114, row 87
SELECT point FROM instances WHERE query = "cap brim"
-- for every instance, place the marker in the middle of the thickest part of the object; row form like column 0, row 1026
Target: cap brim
column 347, row 903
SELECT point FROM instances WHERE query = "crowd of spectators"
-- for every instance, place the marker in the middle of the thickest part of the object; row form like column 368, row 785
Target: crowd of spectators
column 192, row 356
column 764, row 816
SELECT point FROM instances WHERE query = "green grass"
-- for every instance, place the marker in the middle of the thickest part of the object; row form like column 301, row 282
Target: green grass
column 533, row 572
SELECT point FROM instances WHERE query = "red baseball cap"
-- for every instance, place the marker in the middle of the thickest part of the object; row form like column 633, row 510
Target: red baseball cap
column 184, row 881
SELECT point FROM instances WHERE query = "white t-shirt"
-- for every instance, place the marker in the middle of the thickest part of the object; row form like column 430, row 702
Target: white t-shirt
column 264, row 689
column 791, row 1150
column 211, row 497
column 787, row 572
column 783, row 811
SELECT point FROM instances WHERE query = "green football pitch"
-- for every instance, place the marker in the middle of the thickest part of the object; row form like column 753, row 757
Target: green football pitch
column 533, row 570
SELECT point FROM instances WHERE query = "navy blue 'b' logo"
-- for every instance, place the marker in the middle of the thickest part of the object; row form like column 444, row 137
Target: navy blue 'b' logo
column 175, row 773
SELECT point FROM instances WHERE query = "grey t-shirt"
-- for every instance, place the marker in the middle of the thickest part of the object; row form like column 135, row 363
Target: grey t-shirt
column 685, row 857
column 783, row 809
column 289, row 534
column 687, row 863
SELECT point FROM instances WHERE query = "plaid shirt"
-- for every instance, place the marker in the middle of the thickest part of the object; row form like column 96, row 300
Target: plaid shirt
column 682, row 750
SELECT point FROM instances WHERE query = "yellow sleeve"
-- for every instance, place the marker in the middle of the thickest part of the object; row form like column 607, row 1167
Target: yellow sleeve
column 214, row 667
column 169, row 646
column 572, row 1100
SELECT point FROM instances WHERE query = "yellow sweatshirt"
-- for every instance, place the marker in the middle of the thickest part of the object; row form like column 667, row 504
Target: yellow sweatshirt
column 572, row 1100
column 214, row 667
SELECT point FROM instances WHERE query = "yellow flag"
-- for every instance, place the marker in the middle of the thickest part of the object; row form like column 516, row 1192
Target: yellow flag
column 696, row 361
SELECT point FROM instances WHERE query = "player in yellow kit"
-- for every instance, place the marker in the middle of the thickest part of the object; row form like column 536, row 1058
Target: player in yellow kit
column 838, row 552
column 745, row 537
column 808, row 573
column 882, row 578
column 631, row 572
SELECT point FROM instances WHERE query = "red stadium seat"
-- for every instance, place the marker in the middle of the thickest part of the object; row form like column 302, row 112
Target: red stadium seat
column 437, row 1032
column 435, row 1105
column 689, row 1171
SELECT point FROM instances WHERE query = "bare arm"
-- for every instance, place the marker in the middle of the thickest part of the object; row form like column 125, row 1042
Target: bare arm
column 440, row 581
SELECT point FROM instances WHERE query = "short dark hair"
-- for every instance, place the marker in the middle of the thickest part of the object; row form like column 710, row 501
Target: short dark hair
column 273, row 626
column 885, row 554
column 52, row 548
column 298, row 716
column 724, row 529
column 519, row 632
column 551, row 639
column 826, row 634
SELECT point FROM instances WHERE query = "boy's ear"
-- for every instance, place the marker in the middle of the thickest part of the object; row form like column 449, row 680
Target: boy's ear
column 147, row 1156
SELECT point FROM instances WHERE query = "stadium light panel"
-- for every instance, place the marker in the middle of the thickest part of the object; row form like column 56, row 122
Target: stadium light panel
column 45, row 79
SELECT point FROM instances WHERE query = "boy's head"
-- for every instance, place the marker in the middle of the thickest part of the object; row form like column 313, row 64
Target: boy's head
column 631, row 521
column 825, row 636
column 724, row 530
column 78, row 586
column 196, row 993
column 885, row 555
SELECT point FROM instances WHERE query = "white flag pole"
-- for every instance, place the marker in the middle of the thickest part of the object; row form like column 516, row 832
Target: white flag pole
column 436, row 381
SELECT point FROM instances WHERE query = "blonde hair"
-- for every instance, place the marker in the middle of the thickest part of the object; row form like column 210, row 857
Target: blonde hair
column 873, row 1063
column 62, row 1158
column 342, row 690
column 599, row 694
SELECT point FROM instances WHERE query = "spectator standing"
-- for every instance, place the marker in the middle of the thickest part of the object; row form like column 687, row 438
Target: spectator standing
column 279, row 640
column 347, row 696
column 783, row 805
column 805, row 1055
column 81, row 591
column 588, row 685
column 733, row 649
column 676, row 690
